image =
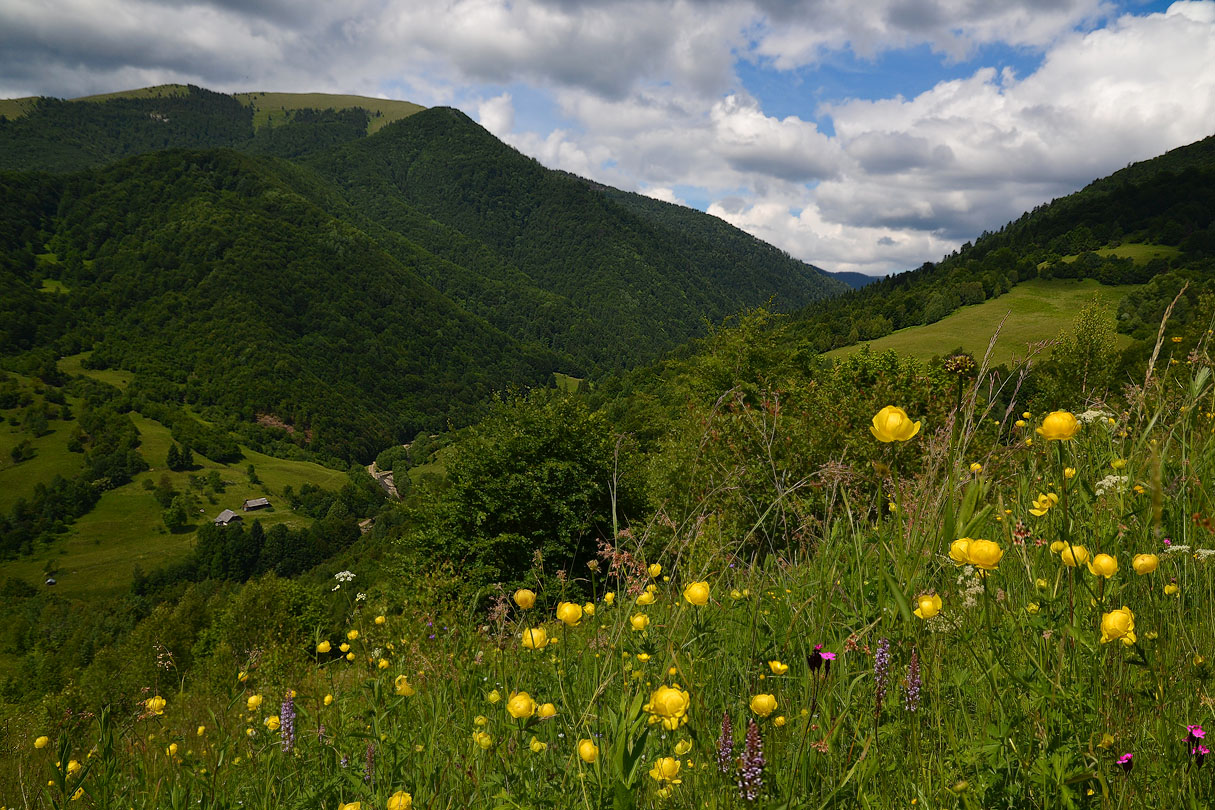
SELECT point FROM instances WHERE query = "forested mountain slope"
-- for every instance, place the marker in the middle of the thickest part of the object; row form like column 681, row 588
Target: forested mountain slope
column 362, row 287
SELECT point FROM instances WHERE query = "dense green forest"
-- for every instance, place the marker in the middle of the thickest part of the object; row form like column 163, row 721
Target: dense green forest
column 245, row 279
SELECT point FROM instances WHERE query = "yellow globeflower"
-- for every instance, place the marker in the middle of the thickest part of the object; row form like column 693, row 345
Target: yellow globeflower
column 271, row 722
column 323, row 647
column 1103, row 565
column 73, row 767
column 588, row 751
column 666, row 769
column 382, row 664
column 669, row 705
column 1043, row 503
column 253, row 703
column 525, row 598
column 1069, row 473
column 779, row 720
column 202, row 730
column 483, row 740
column 959, row 550
column 778, row 668
column 350, row 656
column 892, row 424
column 156, row 705
column 344, row 647
column 537, row 746
column 569, row 613
column 350, row 806
column 402, row 686
column 42, row 742
column 1057, row 546
column 609, row 597
column 1059, row 426
column 328, row 700
column 655, row 569
column 640, row 621
column 697, row 593
column 352, row 635
column 546, row 711
column 381, row 619
column 1171, row 589
column 976, row 467
column 1020, row 423
column 763, row 704
column 928, row 605
column 1073, row 556
column 494, row 696
column 984, row 554
column 520, row 705
column 589, row 608
column 400, row 801
column 1118, row 625
column 682, row 747
column 646, row 598
column 1145, row 563
column 535, row 638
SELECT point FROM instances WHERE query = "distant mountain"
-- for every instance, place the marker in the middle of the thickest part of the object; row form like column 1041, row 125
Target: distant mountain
column 853, row 280
column 259, row 256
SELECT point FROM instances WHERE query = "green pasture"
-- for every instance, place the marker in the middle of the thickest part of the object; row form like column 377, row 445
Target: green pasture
column 51, row 457
column 272, row 108
column 53, row 285
column 74, row 365
column 1031, row 312
column 126, row 529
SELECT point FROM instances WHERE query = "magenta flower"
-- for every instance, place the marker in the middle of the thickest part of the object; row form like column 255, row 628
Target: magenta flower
column 1127, row 761
column 820, row 660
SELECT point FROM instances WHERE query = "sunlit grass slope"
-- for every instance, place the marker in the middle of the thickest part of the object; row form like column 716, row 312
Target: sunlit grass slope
column 1036, row 311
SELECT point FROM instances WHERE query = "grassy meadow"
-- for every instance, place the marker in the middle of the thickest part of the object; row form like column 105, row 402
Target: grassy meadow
column 125, row 530
column 1036, row 311
column 1024, row 623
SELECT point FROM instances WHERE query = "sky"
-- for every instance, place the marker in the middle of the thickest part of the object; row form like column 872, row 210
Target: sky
column 868, row 136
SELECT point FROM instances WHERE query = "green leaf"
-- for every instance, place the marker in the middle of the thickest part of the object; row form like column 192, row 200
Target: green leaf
column 900, row 599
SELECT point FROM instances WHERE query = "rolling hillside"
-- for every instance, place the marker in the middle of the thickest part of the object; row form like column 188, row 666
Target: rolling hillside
column 255, row 255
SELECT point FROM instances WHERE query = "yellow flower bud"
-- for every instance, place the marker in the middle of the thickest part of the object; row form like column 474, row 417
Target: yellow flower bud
column 655, row 569
column 1145, row 563
column 569, row 613
column 400, row 801
column 892, row 424
column 763, row 704
column 639, row 621
column 535, row 638
column 697, row 593
column 928, row 605
column 588, row 751
column 1103, row 565
column 1059, row 426
column 525, row 598
column 520, row 705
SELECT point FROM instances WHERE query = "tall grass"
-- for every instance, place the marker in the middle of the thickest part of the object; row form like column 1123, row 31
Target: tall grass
column 882, row 664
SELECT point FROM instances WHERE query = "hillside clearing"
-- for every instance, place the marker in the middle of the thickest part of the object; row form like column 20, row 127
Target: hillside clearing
column 1037, row 310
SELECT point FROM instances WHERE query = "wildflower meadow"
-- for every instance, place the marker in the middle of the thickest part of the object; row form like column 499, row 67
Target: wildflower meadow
column 1024, row 620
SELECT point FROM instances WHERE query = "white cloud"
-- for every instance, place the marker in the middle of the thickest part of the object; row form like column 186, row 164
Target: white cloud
column 497, row 115
column 649, row 99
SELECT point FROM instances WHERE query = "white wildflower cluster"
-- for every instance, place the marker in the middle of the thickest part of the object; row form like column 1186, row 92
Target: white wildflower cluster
column 1177, row 549
column 1090, row 416
column 360, row 597
column 1110, row 483
column 1204, row 553
column 342, row 576
column 971, row 585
